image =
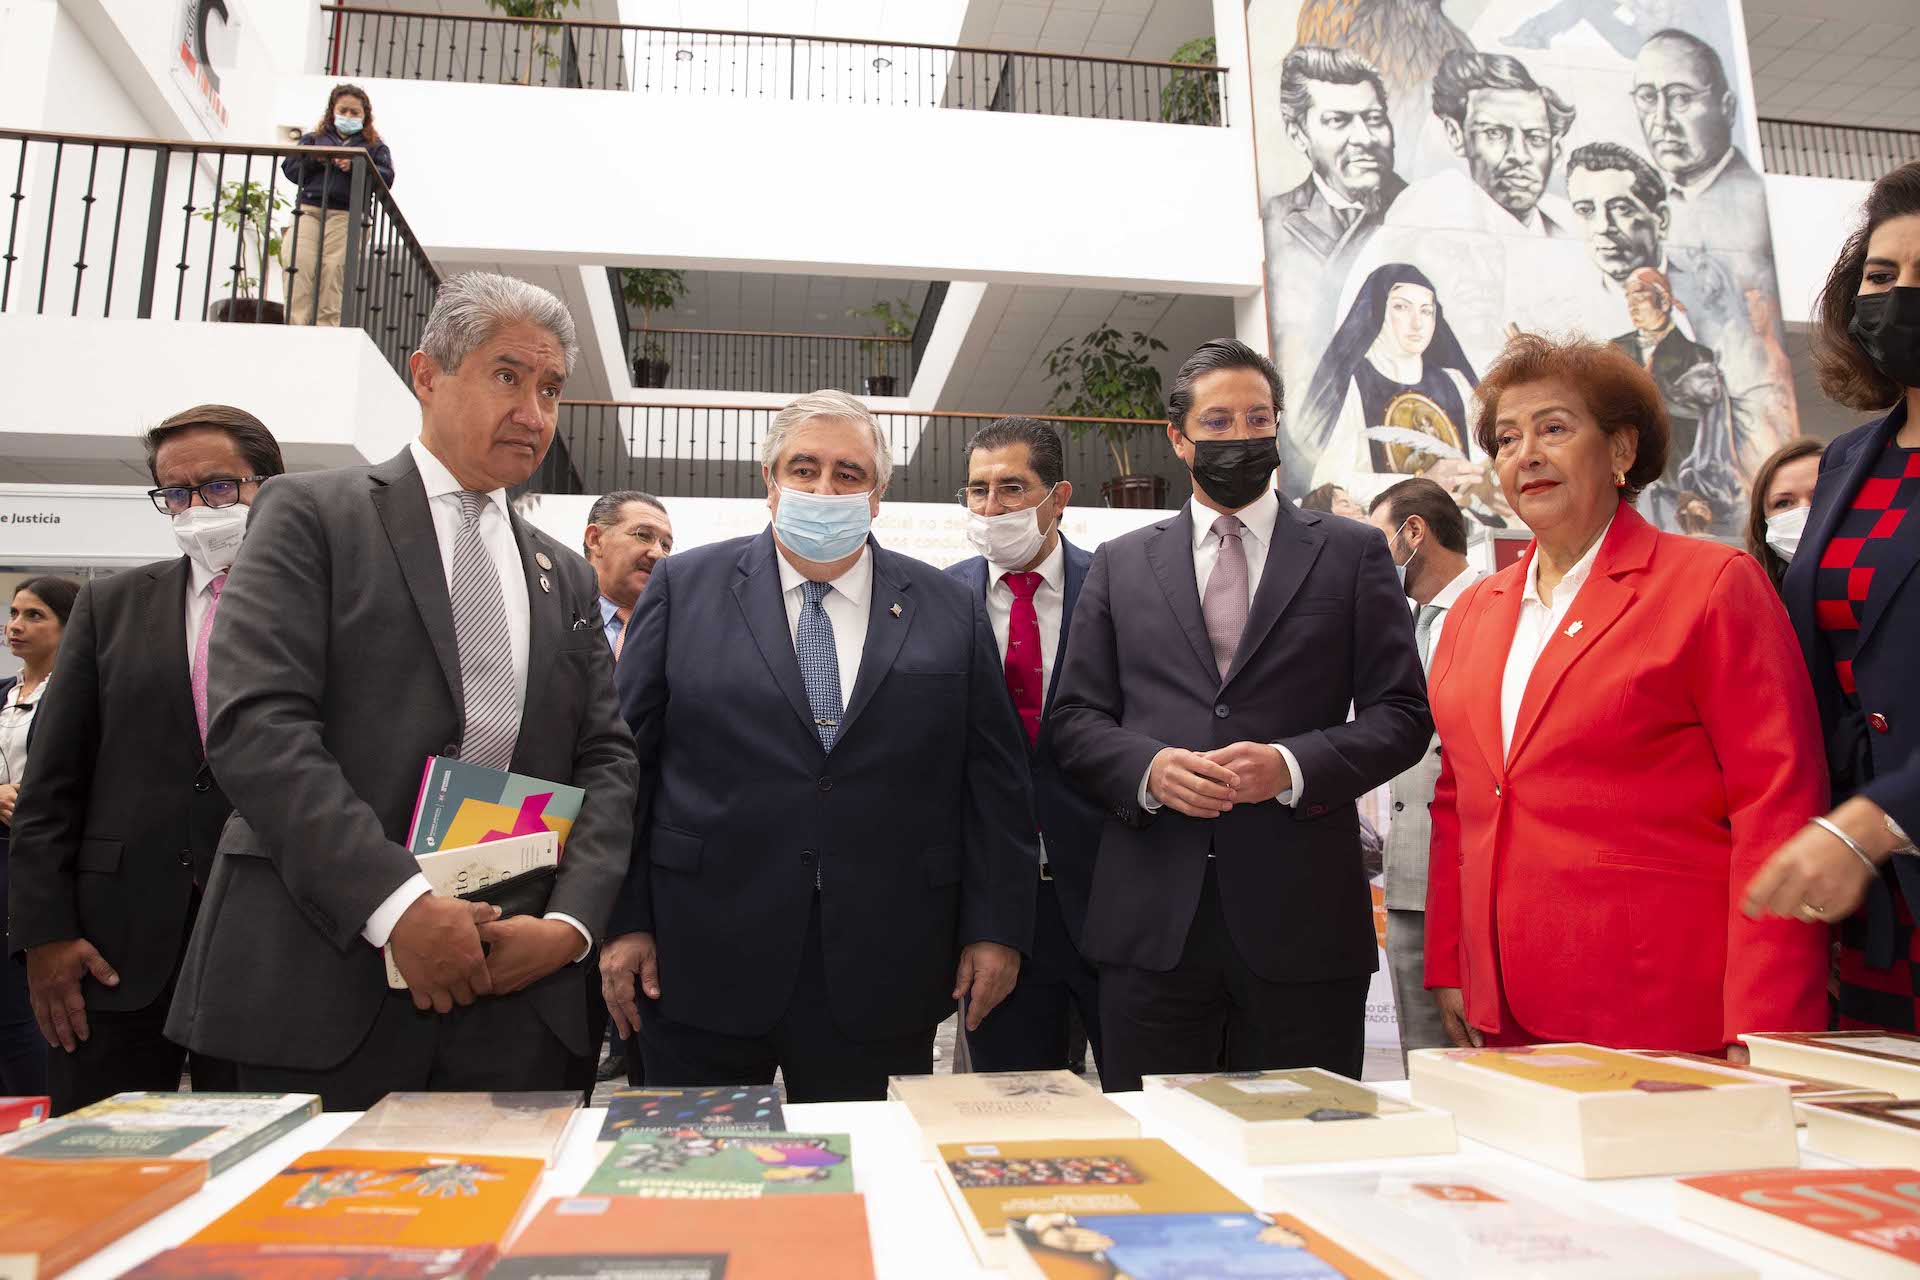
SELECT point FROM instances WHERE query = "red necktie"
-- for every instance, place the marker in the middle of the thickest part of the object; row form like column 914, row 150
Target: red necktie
column 1023, row 663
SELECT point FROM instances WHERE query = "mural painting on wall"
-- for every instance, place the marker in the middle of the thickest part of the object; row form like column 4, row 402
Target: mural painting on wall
column 1437, row 175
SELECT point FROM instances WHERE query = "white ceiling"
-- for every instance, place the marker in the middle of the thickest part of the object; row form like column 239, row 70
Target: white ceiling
column 1854, row 62
column 1146, row 29
column 781, row 303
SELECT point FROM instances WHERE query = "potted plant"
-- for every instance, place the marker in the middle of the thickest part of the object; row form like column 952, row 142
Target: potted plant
column 1193, row 97
column 895, row 320
column 651, row 290
column 247, row 209
column 540, row 11
column 1108, row 376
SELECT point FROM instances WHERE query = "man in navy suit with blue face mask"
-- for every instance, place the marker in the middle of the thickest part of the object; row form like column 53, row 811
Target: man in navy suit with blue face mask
column 834, row 837
column 1029, row 575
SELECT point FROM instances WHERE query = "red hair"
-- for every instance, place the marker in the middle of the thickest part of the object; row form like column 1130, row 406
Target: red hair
column 1617, row 391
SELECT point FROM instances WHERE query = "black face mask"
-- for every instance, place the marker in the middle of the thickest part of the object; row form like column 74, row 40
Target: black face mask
column 1234, row 472
column 1887, row 327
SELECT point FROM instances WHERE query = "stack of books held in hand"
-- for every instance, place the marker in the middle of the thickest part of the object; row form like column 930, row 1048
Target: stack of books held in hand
column 1008, row 1105
column 1602, row 1113
column 1288, row 1117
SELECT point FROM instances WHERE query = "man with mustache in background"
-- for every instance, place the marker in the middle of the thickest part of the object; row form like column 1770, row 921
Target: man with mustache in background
column 1509, row 129
column 1335, row 109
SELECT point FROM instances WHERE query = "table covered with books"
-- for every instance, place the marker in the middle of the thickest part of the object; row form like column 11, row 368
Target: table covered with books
column 914, row 1231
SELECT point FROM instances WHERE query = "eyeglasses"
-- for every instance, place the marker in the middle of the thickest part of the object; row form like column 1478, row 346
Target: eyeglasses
column 1679, row 98
column 1011, row 494
column 223, row 492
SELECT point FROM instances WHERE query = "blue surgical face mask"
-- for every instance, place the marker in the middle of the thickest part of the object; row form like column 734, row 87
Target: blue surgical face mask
column 347, row 126
column 822, row 527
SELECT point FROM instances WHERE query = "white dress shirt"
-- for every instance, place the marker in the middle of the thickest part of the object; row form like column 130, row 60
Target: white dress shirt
column 1256, row 538
column 847, row 606
column 1538, row 623
column 1444, row 600
column 1049, row 606
column 496, row 534
column 17, row 710
column 199, row 601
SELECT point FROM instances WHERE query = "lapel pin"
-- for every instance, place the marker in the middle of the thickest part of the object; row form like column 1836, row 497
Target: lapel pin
column 544, row 584
column 540, row 558
column 1574, row 630
column 895, row 611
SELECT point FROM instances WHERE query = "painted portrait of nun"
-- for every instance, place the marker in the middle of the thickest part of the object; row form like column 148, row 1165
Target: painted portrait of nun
column 1393, row 394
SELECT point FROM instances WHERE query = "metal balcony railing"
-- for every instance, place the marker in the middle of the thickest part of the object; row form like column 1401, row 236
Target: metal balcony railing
column 1810, row 150
column 785, row 363
column 577, row 53
column 701, row 451
column 144, row 228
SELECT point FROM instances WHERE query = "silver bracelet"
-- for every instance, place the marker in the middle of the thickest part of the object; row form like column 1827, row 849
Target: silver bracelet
column 1848, row 841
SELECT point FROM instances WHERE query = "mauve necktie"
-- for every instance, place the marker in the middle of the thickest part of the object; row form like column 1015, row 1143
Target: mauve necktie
column 492, row 703
column 214, row 588
column 1024, row 663
column 1225, row 601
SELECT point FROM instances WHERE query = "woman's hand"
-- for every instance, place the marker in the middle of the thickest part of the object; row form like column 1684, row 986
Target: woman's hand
column 1815, row 877
column 9, row 797
column 1453, row 1016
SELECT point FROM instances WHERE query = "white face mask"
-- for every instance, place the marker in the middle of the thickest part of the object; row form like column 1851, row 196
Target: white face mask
column 1784, row 529
column 1010, row 540
column 210, row 536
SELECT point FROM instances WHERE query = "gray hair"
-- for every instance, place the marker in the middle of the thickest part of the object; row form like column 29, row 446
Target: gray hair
column 826, row 404
column 470, row 307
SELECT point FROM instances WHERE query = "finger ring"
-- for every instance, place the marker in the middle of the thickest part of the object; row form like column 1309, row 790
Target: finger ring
column 1811, row 911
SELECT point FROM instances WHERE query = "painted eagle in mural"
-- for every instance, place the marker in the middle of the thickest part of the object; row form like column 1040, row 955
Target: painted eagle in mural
column 1403, row 39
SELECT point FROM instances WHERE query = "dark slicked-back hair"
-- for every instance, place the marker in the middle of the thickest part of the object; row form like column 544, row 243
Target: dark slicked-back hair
column 1045, row 454
column 1648, row 188
column 1461, row 73
column 1716, row 72
column 58, row 594
column 606, row 508
column 1424, row 498
column 1328, row 66
column 1212, row 357
column 1846, row 375
column 250, row 436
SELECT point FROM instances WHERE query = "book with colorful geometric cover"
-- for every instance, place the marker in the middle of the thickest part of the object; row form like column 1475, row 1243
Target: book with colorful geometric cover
column 1176, row 1246
column 220, row 1128
column 364, row 1213
column 754, row 1109
column 990, row 1183
column 1885, row 1132
column 1602, row 1113
column 821, row 1237
column 691, row 1165
column 1279, row 1117
column 1460, row 1222
column 481, row 1124
column 54, row 1213
column 463, row 804
column 1011, row 1106
column 1859, row 1223
column 1885, row 1060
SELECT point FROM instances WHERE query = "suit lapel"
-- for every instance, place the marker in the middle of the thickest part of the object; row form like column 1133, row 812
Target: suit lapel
column 1170, row 552
column 1488, row 617
column 545, row 625
column 1897, row 556
column 1597, row 606
column 1294, row 547
column 400, row 499
column 886, row 631
column 1833, row 497
column 757, row 592
column 1076, row 562
column 166, row 624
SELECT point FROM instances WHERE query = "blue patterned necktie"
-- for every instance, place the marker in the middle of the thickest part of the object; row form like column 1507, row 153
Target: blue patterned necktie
column 819, row 661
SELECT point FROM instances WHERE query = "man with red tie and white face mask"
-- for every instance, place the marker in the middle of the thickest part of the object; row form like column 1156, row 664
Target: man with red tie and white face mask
column 1030, row 575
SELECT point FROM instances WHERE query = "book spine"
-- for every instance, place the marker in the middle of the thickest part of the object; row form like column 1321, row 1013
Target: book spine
column 262, row 1138
column 419, row 804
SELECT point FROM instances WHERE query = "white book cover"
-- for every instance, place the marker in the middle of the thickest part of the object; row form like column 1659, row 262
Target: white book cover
column 453, row 872
column 1460, row 1222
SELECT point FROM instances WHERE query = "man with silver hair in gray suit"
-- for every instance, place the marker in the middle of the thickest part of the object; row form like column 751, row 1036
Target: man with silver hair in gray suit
column 378, row 616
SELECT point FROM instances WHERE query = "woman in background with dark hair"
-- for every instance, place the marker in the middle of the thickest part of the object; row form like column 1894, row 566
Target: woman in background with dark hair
column 1777, row 504
column 1855, row 602
column 314, row 248
column 35, row 619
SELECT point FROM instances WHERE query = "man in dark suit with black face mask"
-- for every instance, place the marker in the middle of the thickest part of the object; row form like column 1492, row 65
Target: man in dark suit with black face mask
column 1204, row 699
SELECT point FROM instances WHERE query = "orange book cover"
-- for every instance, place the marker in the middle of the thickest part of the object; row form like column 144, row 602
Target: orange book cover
column 819, row 1237
column 1875, row 1208
column 383, row 1198
column 313, row 1262
column 53, row 1213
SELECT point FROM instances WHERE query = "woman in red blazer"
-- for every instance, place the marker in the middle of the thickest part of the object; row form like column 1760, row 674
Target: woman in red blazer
column 1627, row 733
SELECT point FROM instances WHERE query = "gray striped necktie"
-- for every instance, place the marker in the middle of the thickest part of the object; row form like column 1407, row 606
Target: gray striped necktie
column 1423, row 633
column 486, row 649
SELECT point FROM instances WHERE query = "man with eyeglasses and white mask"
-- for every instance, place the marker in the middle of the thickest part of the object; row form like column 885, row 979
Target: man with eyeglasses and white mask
column 114, row 841
column 1029, row 577
column 834, row 837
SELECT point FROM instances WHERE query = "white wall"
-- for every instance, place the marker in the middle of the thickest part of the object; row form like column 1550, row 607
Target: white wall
column 921, row 21
column 635, row 179
column 1812, row 218
column 98, row 384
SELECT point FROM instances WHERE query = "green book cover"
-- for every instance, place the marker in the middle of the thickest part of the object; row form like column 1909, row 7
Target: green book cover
column 220, row 1128
column 1260, row 1096
column 692, row 1165
column 85, row 1141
